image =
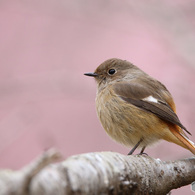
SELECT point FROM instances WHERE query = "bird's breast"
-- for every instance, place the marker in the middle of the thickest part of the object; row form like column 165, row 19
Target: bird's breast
column 124, row 122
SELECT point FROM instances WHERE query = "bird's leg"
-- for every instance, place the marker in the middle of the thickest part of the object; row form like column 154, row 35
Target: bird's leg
column 134, row 148
column 142, row 151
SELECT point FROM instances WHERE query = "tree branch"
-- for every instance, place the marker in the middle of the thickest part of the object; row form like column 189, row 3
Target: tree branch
column 100, row 173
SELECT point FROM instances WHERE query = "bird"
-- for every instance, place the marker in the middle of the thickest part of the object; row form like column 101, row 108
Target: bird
column 135, row 109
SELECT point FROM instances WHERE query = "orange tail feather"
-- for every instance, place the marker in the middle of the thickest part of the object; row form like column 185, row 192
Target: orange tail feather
column 186, row 143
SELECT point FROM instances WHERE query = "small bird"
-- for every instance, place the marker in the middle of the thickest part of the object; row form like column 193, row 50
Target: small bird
column 136, row 109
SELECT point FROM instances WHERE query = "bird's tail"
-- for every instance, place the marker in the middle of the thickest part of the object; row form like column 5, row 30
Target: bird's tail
column 183, row 140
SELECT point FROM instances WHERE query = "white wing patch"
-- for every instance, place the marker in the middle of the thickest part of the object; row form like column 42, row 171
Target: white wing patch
column 151, row 99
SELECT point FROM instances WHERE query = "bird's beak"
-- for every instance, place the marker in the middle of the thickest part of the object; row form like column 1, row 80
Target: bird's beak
column 91, row 74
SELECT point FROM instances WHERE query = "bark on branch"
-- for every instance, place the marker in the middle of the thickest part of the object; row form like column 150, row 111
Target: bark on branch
column 98, row 173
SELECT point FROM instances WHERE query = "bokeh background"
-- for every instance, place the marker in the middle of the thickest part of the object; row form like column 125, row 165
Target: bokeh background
column 46, row 46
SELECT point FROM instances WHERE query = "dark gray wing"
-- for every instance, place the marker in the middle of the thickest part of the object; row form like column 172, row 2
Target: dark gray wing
column 148, row 100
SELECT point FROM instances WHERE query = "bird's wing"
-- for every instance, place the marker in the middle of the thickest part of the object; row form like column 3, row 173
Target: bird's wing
column 149, row 100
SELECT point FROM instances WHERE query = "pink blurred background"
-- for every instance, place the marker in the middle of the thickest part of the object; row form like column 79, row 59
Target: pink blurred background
column 46, row 46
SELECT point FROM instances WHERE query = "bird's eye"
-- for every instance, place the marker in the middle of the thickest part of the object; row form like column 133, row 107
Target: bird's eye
column 111, row 71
